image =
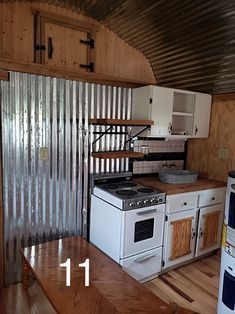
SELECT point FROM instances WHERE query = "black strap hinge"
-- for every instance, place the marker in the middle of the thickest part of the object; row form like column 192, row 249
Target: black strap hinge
column 88, row 66
column 40, row 47
column 163, row 263
column 89, row 42
column 166, row 218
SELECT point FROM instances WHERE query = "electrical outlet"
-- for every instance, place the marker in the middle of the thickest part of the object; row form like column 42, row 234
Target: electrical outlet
column 223, row 153
column 43, row 153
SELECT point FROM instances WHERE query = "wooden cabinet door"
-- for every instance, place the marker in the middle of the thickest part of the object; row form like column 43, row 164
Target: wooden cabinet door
column 209, row 229
column 201, row 117
column 63, row 47
column 162, row 106
column 179, row 240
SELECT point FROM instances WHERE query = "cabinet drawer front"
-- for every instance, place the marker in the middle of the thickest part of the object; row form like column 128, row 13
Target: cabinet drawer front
column 211, row 197
column 180, row 202
column 144, row 265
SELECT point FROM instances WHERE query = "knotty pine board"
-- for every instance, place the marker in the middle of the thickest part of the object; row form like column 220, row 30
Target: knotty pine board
column 203, row 154
column 114, row 57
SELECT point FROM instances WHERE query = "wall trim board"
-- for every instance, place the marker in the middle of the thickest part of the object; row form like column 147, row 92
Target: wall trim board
column 224, row 97
column 46, row 70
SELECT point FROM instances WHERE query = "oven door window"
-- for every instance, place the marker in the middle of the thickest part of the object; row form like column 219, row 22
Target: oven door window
column 144, row 229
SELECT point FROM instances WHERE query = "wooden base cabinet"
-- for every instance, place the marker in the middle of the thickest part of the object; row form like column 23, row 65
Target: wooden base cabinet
column 180, row 235
column 193, row 225
column 209, row 229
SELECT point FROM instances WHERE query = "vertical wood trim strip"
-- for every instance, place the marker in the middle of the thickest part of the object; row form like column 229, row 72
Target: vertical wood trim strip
column 4, row 75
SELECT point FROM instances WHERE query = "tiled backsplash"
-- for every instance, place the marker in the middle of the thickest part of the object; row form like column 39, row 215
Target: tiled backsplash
column 155, row 146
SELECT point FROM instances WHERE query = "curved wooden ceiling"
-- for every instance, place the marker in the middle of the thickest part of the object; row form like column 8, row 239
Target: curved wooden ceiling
column 190, row 44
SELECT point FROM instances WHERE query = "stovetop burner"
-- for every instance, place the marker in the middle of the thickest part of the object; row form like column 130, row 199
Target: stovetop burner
column 145, row 190
column 127, row 192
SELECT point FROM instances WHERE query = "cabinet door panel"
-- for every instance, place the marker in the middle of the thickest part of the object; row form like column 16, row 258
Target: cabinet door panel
column 162, row 106
column 179, row 237
column 209, row 229
column 63, row 47
column 201, row 115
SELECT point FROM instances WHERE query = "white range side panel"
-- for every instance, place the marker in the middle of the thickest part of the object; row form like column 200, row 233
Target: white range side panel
column 162, row 107
column 201, row 222
column 202, row 111
column 106, row 227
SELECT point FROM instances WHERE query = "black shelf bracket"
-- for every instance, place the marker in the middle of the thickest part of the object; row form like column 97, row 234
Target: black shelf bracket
column 141, row 131
column 103, row 133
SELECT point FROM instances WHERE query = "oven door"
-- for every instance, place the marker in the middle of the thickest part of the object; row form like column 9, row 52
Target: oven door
column 142, row 229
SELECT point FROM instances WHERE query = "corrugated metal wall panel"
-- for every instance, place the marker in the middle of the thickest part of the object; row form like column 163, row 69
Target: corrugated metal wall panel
column 115, row 103
column 42, row 198
column 48, row 199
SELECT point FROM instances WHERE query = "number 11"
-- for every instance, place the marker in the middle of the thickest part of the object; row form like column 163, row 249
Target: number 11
column 67, row 265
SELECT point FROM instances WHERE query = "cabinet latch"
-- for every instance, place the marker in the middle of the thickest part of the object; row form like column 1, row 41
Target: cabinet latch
column 40, row 47
column 88, row 66
column 89, row 42
column 166, row 218
column 163, row 263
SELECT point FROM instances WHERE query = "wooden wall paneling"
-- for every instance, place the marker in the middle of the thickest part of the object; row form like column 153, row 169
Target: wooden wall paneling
column 114, row 57
column 4, row 75
column 203, row 154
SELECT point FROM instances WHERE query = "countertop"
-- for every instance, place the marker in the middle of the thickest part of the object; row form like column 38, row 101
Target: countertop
column 169, row 189
column 111, row 289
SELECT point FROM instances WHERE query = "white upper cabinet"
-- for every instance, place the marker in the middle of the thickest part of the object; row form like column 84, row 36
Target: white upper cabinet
column 154, row 103
column 174, row 112
column 202, row 114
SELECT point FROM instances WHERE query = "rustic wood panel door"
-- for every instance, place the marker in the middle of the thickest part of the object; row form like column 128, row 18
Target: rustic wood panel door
column 180, row 235
column 63, row 47
column 209, row 229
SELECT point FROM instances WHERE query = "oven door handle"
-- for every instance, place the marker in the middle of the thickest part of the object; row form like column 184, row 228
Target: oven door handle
column 144, row 258
column 146, row 212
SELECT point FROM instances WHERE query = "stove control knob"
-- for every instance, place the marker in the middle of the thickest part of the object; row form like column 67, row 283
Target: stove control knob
column 132, row 204
column 139, row 203
column 160, row 200
column 147, row 202
column 154, row 201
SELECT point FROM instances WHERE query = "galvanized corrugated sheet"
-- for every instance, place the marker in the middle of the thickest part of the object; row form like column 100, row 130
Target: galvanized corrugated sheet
column 47, row 198
column 42, row 198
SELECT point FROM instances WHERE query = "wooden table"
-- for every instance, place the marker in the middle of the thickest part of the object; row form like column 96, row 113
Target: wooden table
column 111, row 289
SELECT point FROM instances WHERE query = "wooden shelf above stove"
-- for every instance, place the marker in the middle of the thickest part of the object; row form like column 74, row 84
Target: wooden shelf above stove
column 117, row 154
column 96, row 121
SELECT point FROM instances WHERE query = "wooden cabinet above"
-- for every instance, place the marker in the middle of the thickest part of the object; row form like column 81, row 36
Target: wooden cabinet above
column 176, row 113
column 64, row 42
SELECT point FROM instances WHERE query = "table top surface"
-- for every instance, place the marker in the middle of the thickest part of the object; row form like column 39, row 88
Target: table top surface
column 111, row 290
column 170, row 189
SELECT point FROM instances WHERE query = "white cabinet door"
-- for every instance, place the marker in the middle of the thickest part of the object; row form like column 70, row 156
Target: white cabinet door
column 209, row 229
column 179, row 237
column 202, row 112
column 161, row 111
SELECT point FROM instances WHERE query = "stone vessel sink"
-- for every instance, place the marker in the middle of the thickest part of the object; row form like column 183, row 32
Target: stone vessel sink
column 177, row 176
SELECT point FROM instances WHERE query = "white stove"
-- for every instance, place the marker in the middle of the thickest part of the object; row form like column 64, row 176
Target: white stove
column 127, row 195
column 127, row 221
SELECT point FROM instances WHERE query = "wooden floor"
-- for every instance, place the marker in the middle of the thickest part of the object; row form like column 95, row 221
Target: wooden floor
column 14, row 300
column 194, row 286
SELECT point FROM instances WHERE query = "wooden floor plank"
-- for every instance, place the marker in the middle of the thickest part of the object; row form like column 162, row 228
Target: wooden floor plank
column 193, row 286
